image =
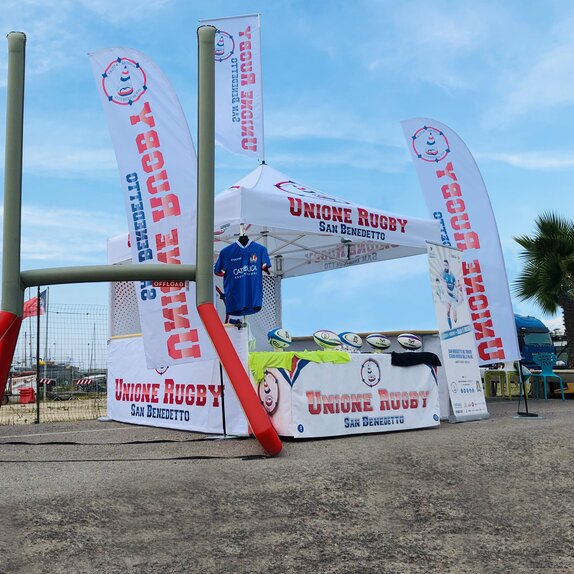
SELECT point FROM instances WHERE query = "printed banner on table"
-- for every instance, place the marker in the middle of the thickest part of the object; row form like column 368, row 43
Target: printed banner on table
column 184, row 397
column 238, row 91
column 459, row 356
column 456, row 197
column 157, row 164
column 366, row 395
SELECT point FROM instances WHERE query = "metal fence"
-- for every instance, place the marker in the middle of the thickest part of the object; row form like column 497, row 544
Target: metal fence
column 59, row 367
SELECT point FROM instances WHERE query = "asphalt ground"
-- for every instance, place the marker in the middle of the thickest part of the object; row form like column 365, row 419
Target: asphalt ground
column 103, row 497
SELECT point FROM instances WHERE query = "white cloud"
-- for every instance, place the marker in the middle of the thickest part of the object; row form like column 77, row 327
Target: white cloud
column 349, row 140
column 70, row 161
column 67, row 234
column 548, row 82
column 383, row 160
column 541, row 77
column 344, row 283
column 427, row 42
column 115, row 12
column 53, row 26
column 555, row 323
column 532, row 160
column 68, row 143
column 329, row 119
column 98, row 223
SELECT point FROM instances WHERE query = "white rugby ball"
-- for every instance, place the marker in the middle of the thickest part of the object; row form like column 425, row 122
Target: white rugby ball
column 326, row 339
column 351, row 339
column 279, row 338
column 409, row 341
column 378, row 341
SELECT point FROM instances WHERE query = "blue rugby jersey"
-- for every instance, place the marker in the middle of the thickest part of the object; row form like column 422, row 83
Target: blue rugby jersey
column 242, row 268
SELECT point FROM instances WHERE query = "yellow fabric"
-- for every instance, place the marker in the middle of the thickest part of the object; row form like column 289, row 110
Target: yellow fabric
column 258, row 362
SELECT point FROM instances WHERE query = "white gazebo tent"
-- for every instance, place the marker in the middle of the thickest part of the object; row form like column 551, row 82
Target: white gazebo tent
column 307, row 231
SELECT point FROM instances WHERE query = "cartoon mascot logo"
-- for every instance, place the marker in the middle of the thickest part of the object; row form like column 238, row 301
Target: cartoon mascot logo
column 224, row 46
column 124, row 81
column 371, row 373
column 269, row 392
column 430, row 144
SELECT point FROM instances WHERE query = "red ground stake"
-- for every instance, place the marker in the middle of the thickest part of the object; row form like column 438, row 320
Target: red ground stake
column 256, row 415
column 9, row 329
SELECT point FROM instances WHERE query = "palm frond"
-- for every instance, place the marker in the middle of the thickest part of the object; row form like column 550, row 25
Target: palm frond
column 548, row 255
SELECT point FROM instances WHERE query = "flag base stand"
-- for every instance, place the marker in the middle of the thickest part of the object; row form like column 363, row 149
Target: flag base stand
column 525, row 413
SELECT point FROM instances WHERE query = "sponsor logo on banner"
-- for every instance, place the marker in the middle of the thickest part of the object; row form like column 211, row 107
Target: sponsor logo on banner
column 153, row 150
column 124, row 81
column 457, row 199
column 370, row 373
column 224, row 46
column 174, row 284
column 430, row 144
column 238, row 93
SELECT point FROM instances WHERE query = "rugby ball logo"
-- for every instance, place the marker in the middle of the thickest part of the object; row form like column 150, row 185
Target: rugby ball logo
column 378, row 342
column 351, row 340
column 409, row 341
column 326, row 339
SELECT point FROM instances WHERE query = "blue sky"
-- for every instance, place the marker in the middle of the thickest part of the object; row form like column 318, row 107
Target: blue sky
column 338, row 79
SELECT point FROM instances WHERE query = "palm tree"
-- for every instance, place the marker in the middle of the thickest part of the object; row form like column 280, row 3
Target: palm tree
column 547, row 277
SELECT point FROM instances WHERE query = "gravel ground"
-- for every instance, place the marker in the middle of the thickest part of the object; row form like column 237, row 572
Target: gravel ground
column 490, row 496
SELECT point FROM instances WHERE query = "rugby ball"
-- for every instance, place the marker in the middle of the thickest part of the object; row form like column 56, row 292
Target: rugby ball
column 378, row 341
column 279, row 338
column 409, row 341
column 326, row 339
column 351, row 340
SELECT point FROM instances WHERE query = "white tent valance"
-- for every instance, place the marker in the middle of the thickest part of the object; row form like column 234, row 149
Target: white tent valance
column 307, row 231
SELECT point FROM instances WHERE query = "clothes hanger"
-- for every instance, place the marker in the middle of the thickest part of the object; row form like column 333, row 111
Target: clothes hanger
column 243, row 238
